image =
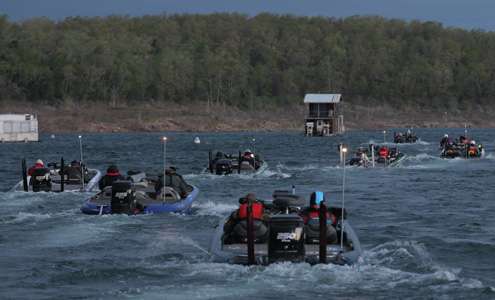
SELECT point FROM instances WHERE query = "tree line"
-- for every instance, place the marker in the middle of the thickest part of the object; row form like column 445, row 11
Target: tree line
column 244, row 61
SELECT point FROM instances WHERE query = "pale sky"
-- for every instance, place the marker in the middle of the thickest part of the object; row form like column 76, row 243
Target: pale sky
column 469, row 14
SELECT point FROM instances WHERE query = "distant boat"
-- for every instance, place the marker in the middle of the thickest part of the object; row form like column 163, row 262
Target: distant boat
column 197, row 140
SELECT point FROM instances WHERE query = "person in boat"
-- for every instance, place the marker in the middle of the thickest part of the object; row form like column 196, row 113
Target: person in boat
column 463, row 140
column 38, row 165
column 311, row 218
column 446, row 141
column 174, row 181
column 248, row 156
column 313, row 211
column 384, row 152
column 73, row 171
column 112, row 175
column 241, row 214
column 473, row 149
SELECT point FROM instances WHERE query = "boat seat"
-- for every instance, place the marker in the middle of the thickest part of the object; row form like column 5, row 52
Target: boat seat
column 239, row 233
column 312, row 231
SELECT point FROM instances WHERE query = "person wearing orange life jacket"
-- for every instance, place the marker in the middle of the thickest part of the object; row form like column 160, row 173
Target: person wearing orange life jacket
column 38, row 165
column 256, row 206
column 313, row 211
column 383, row 152
column 311, row 218
column 473, row 149
column 241, row 214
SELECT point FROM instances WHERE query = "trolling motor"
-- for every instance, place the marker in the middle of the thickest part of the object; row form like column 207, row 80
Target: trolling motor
column 25, row 186
column 62, row 174
column 210, row 162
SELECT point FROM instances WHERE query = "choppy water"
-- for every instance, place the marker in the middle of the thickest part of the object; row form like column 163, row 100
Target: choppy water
column 427, row 227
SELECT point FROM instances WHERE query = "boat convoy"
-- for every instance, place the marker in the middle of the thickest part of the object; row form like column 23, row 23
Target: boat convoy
column 286, row 227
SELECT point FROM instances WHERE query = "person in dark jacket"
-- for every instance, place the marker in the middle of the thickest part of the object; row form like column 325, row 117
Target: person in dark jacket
column 112, row 175
column 174, row 181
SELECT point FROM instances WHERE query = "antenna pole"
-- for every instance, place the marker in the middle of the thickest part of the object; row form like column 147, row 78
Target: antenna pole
column 82, row 164
column 344, row 150
column 164, row 165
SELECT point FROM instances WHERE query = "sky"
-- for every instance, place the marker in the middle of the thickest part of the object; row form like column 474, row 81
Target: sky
column 468, row 14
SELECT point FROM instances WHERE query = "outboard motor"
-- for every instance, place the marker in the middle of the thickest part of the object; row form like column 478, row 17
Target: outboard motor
column 122, row 197
column 223, row 167
column 40, row 180
column 286, row 238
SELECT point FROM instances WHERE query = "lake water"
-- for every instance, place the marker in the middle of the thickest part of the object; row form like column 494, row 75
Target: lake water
column 427, row 227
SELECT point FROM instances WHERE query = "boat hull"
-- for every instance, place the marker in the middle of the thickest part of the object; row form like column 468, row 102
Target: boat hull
column 183, row 206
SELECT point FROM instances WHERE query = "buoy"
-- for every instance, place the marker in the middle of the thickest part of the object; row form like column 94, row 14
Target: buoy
column 197, row 140
column 52, row 136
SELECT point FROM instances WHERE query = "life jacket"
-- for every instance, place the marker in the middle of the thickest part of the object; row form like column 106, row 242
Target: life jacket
column 36, row 166
column 257, row 209
column 383, row 152
column 112, row 174
column 473, row 151
column 314, row 213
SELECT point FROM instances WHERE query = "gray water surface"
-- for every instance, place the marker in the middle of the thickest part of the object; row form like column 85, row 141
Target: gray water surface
column 427, row 226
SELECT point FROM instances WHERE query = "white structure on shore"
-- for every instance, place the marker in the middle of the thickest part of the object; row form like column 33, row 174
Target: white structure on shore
column 18, row 128
column 324, row 116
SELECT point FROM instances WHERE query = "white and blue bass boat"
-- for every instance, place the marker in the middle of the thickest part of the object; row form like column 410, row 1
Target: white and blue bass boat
column 139, row 195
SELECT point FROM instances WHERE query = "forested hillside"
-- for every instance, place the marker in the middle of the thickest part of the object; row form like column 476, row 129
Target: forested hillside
column 242, row 61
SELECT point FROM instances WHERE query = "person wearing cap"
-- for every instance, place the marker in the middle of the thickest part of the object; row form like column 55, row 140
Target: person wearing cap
column 38, row 165
column 445, row 141
column 175, row 181
column 249, row 157
column 112, row 175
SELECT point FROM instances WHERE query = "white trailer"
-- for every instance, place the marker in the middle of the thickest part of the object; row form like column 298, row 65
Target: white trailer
column 18, row 128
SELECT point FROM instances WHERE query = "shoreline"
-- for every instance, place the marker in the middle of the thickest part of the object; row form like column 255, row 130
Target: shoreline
column 160, row 117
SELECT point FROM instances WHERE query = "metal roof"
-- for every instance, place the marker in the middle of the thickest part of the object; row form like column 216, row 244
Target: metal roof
column 322, row 98
column 16, row 117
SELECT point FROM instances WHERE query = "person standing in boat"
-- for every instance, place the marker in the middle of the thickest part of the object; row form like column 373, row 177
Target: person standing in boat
column 112, row 175
column 174, row 181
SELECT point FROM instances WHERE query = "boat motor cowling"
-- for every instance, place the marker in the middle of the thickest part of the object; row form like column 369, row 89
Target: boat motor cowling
column 122, row 197
column 286, row 238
